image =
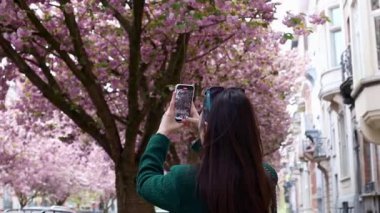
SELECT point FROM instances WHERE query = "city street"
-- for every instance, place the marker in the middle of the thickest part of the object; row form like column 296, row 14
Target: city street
column 100, row 101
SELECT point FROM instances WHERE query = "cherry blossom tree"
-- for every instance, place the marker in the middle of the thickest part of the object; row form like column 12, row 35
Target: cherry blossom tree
column 109, row 65
column 35, row 162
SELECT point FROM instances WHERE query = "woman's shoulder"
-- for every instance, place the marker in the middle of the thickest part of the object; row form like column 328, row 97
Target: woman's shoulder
column 184, row 171
column 271, row 172
column 185, row 181
column 185, row 176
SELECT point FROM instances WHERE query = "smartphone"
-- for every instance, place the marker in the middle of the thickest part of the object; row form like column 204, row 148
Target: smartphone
column 184, row 94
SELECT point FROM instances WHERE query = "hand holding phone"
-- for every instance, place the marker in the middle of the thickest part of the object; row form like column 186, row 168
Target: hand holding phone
column 184, row 94
column 168, row 124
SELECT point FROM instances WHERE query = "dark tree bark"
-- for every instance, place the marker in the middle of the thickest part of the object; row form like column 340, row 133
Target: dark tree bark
column 24, row 199
column 60, row 202
column 128, row 200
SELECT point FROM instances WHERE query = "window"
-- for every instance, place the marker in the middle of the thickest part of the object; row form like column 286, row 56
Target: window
column 336, row 35
column 332, row 134
column 377, row 31
column 375, row 4
column 367, row 162
column 344, row 162
column 336, row 16
column 294, row 43
column 306, row 43
column 375, row 14
column 357, row 59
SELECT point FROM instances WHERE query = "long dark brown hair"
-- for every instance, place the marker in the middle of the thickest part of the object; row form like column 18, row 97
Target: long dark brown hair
column 231, row 176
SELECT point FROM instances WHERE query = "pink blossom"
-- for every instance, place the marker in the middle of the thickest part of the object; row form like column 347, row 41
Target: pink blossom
column 318, row 19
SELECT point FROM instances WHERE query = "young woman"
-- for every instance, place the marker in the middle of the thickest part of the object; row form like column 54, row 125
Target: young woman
column 231, row 177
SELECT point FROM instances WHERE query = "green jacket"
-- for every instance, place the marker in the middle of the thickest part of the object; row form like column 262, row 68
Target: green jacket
column 176, row 190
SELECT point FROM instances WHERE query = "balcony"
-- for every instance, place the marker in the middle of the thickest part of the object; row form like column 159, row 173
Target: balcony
column 338, row 81
column 346, row 86
column 330, row 83
column 320, row 151
column 363, row 95
column 367, row 107
column 305, row 150
column 314, row 148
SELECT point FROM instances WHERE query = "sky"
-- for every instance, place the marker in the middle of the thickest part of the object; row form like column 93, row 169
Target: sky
column 294, row 7
column 286, row 5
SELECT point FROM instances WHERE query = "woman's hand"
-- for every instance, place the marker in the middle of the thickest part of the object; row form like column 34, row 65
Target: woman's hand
column 168, row 123
column 194, row 118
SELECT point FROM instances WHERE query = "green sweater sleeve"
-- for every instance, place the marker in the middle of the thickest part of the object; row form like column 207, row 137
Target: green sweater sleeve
column 152, row 184
column 272, row 173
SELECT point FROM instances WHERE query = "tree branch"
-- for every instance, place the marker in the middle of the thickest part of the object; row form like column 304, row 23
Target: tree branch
column 73, row 111
column 177, row 58
column 143, row 89
column 47, row 35
column 151, row 122
column 175, row 65
column 211, row 24
column 88, row 79
column 135, row 55
column 41, row 62
column 135, row 117
column 211, row 49
column 121, row 119
column 115, row 46
column 124, row 22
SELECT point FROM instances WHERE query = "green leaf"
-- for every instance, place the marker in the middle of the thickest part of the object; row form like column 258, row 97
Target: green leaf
column 245, row 82
column 296, row 21
column 176, row 6
column 102, row 64
column 119, row 31
column 213, row 10
column 198, row 15
column 181, row 26
column 258, row 23
column 288, row 36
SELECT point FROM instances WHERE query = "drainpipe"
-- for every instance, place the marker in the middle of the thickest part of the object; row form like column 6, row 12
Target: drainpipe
column 358, row 190
column 326, row 176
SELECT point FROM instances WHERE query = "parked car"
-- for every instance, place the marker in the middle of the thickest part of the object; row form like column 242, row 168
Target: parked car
column 41, row 209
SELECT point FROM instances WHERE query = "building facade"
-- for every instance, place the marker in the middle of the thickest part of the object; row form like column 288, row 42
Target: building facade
column 337, row 121
column 361, row 91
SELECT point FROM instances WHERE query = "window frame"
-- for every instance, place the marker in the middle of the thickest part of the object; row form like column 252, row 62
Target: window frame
column 370, row 5
column 376, row 53
column 367, row 159
column 343, row 148
column 332, row 29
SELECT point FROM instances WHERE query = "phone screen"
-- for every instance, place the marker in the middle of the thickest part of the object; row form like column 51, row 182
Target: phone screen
column 183, row 99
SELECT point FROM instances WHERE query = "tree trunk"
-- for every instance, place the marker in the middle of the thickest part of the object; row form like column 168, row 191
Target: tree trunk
column 60, row 202
column 22, row 202
column 22, row 199
column 128, row 201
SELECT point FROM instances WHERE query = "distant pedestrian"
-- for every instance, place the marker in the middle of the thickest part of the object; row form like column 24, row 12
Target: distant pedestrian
column 231, row 177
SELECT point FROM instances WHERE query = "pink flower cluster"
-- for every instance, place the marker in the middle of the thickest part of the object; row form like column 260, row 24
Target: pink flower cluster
column 319, row 19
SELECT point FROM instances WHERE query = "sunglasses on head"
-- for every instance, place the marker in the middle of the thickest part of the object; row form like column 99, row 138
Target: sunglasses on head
column 210, row 93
